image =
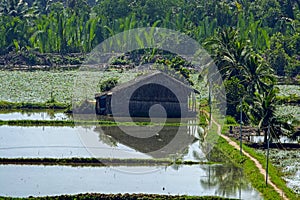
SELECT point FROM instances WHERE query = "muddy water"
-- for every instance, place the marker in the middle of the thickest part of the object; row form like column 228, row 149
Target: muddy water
column 221, row 180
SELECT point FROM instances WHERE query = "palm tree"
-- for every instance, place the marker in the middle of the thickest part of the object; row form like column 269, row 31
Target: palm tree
column 229, row 52
column 236, row 60
column 13, row 8
column 257, row 74
column 262, row 113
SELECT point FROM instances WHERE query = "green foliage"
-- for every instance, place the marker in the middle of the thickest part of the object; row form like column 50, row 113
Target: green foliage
column 230, row 120
column 263, row 114
column 78, row 26
column 23, row 105
column 178, row 65
column 247, row 76
column 234, row 92
column 108, row 84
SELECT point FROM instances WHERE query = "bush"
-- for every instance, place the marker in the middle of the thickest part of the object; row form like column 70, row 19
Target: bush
column 108, row 84
column 230, row 120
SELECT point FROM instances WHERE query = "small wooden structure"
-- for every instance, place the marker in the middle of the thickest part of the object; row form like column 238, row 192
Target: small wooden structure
column 136, row 97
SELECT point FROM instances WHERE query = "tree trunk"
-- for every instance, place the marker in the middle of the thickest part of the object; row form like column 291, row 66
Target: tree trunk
column 265, row 136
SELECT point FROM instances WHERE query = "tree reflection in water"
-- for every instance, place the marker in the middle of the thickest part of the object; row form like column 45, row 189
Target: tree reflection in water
column 227, row 179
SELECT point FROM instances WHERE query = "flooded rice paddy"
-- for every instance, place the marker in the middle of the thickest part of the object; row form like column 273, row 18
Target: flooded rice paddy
column 175, row 142
column 200, row 180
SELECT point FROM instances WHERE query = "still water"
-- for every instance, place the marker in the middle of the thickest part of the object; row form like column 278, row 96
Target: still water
column 58, row 142
column 121, row 141
column 114, row 142
column 202, row 180
column 108, row 142
column 35, row 115
column 282, row 139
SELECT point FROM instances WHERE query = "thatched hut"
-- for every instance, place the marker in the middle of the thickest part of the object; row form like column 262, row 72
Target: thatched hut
column 135, row 98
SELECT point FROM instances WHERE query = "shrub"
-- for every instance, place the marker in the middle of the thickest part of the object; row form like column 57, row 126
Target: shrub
column 230, row 120
column 108, row 84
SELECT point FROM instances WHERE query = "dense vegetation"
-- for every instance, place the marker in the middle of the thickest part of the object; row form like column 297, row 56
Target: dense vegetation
column 270, row 27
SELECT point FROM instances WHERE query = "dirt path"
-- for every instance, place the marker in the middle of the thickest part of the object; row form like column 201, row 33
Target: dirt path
column 257, row 164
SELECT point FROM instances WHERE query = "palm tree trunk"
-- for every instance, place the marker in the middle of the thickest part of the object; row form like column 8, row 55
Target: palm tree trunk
column 265, row 136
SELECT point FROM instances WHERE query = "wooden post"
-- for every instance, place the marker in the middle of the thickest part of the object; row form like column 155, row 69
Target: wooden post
column 268, row 146
column 241, row 121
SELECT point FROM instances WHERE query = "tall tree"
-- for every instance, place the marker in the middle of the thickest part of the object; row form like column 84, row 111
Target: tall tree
column 263, row 113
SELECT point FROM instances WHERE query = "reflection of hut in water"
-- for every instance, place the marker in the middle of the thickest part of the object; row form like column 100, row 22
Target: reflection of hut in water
column 135, row 98
column 167, row 142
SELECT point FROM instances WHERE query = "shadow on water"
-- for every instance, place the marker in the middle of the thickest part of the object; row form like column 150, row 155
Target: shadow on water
column 176, row 139
column 180, row 141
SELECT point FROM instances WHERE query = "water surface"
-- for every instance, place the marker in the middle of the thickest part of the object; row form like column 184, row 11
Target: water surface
column 105, row 142
column 35, row 115
column 203, row 180
column 282, row 139
column 57, row 142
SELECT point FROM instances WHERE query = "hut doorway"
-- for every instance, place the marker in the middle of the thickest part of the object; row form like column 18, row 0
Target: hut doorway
column 102, row 103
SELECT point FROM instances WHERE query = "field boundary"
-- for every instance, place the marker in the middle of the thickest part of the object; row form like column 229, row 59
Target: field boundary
column 256, row 162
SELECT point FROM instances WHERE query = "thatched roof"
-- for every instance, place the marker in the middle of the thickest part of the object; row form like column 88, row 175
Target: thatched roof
column 145, row 78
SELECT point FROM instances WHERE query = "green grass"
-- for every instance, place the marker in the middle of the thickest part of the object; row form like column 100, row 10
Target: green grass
column 39, row 122
column 5, row 105
column 249, row 169
column 252, row 173
column 274, row 173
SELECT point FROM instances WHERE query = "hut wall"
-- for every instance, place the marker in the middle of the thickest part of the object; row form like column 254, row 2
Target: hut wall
column 142, row 108
column 135, row 100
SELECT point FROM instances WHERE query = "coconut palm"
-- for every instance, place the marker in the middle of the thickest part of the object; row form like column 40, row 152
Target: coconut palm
column 262, row 113
column 228, row 52
column 257, row 74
